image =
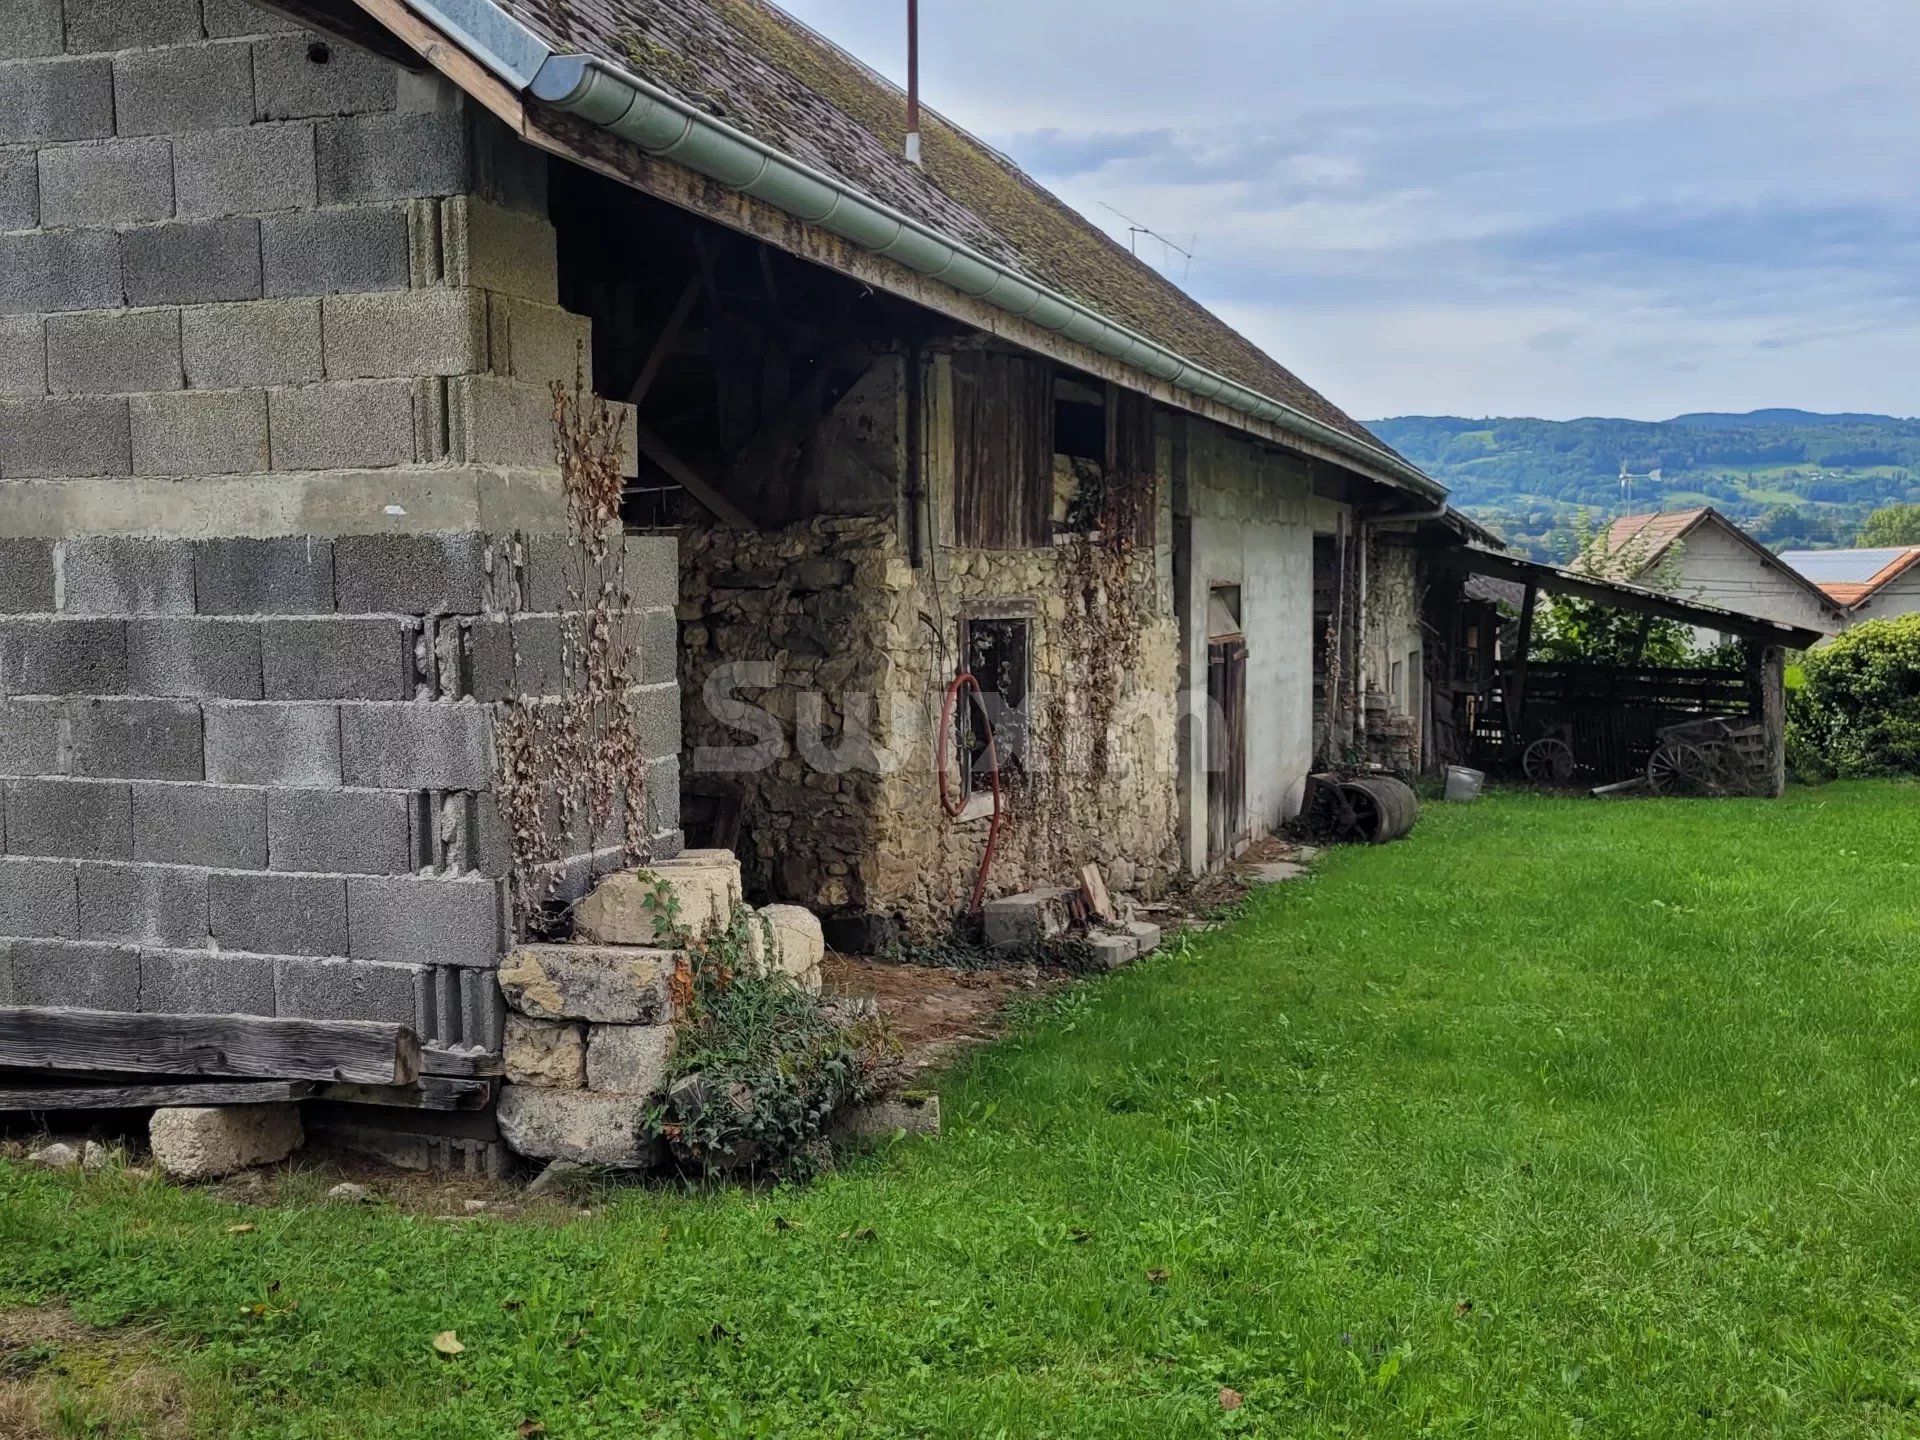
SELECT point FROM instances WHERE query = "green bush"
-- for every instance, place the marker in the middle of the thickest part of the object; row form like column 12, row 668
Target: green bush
column 1858, row 712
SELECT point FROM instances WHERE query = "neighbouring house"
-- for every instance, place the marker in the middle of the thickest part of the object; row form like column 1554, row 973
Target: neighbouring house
column 303, row 314
column 1866, row 584
column 1703, row 555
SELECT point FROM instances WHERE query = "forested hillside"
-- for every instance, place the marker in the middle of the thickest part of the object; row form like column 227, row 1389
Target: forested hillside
column 1790, row 476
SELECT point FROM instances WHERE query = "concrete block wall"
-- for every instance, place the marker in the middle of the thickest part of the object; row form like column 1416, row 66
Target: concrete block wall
column 254, row 776
column 278, row 321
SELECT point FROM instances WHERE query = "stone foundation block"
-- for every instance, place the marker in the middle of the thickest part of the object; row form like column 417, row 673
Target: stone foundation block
column 202, row 1142
column 879, row 1119
column 696, row 892
column 1027, row 919
column 607, row 984
column 576, row 1125
column 628, row 1059
column 1113, row 952
column 546, row 1052
column 1146, row 935
column 798, row 943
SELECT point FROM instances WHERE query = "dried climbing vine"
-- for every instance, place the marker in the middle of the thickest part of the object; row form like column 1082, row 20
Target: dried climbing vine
column 570, row 765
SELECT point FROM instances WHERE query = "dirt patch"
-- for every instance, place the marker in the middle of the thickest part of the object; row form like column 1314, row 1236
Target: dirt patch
column 59, row 1377
column 933, row 1012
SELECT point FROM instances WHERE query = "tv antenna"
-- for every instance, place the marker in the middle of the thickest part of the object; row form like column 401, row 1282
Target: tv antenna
column 1627, row 477
column 913, row 82
column 1168, row 247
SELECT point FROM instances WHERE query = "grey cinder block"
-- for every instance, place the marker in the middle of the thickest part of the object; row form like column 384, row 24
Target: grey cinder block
column 144, row 904
column 278, row 914
column 198, row 659
column 339, row 658
column 192, row 982
column 663, row 796
column 75, row 819
column 59, row 270
column 19, row 189
column 350, row 990
column 23, row 356
column 108, row 182
column 226, row 18
column 191, row 262
column 39, row 897
column 76, row 976
column 409, row 574
column 191, row 87
column 297, row 81
column 55, row 99
column 199, row 432
column 26, row 576
column 651, row 571
column 32, row 28
column 658, row 720
column 326, row 252
column 245, row 171
column 289, row 576
column 659, row 647
column 64, row 436
column 114, row 352
column 31, row 738
column 493, row 421
column 115, row 739
column 62, row 657
column 291, row 744
column 125, row 575
column 414, row 332
column 260, row 342
column 508, row 658
column 391, row 157
column 433, row 921
column 366, row 423
column 339, row 832
column 437, row 745
column 540, row 344
column 219, row 825
column 121, row 24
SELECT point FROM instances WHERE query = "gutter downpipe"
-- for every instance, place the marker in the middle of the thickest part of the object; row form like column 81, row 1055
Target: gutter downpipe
column 665, row 126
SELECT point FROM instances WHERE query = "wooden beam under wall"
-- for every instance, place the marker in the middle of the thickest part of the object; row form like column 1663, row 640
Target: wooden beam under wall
column 364, row 1052
column 656, row 450
column 76, row 1095
column 662, row 347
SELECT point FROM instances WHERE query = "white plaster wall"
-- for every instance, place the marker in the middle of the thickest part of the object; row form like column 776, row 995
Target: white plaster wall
column 1717, row 569
column 1250, row 521
column 1901, row 597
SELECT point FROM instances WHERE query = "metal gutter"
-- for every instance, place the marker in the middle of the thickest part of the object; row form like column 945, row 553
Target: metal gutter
column 665, row 126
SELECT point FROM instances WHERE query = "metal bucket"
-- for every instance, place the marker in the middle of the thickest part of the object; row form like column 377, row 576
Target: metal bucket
column 1464, row 784
column 1382, row 808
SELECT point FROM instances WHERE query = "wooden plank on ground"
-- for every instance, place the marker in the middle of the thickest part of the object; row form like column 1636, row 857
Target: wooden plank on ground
column 15, row 1098
column 430, row 1092
column 1093, row 887
column 363, row 1052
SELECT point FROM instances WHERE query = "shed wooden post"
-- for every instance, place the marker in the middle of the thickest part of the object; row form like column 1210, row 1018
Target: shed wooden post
column 1773, row 717
column 1517, row 675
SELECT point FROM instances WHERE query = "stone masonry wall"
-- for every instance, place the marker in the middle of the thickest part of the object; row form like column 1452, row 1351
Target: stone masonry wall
column 280, row 520
column 835, row 609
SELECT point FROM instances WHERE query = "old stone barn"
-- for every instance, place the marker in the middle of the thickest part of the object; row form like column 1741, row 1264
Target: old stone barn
column 290, row 528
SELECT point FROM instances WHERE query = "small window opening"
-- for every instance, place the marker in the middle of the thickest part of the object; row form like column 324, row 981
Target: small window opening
column 1223, row 612
column 1079, row 454
column 996, row 651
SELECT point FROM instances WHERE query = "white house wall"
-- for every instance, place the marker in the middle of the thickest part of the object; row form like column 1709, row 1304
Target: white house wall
column 1897, row 597
column 1717, row 569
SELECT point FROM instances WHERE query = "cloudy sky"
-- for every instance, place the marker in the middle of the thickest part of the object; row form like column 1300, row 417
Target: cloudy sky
column 1483, row 207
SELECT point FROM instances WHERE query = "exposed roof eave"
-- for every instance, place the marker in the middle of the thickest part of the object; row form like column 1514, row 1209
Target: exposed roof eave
column 666, row 127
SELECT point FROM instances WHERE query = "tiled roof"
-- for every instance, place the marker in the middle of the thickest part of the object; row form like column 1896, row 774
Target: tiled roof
column 1653, row 532
column 762, row 71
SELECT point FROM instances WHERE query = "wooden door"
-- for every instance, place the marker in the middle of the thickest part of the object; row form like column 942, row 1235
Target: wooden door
column 1226, row 747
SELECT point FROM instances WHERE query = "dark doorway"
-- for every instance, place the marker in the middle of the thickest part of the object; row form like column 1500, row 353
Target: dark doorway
column 1226, row 725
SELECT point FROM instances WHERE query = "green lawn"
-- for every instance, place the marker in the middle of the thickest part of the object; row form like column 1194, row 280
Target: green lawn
column 1562, row 1117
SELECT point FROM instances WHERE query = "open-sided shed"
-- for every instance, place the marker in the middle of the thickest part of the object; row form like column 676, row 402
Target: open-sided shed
column 1613, row 722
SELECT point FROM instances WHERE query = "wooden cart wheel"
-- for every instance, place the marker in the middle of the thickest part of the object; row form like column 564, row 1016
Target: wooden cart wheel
column 1678, row 768
column 1548, row 761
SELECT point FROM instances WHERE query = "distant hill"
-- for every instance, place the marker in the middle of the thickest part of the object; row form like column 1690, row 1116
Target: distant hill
column 1791, row 477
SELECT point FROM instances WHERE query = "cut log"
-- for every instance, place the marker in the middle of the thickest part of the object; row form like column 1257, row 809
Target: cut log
column 150, row 1097
column 468, row 1064
column 430, row 1092
column 363, row 1052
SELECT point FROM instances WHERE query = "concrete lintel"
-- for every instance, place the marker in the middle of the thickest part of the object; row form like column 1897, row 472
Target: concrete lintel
column 401, row 501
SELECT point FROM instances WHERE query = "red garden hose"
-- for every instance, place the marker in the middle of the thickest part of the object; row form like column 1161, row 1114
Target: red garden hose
column 960, row 681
